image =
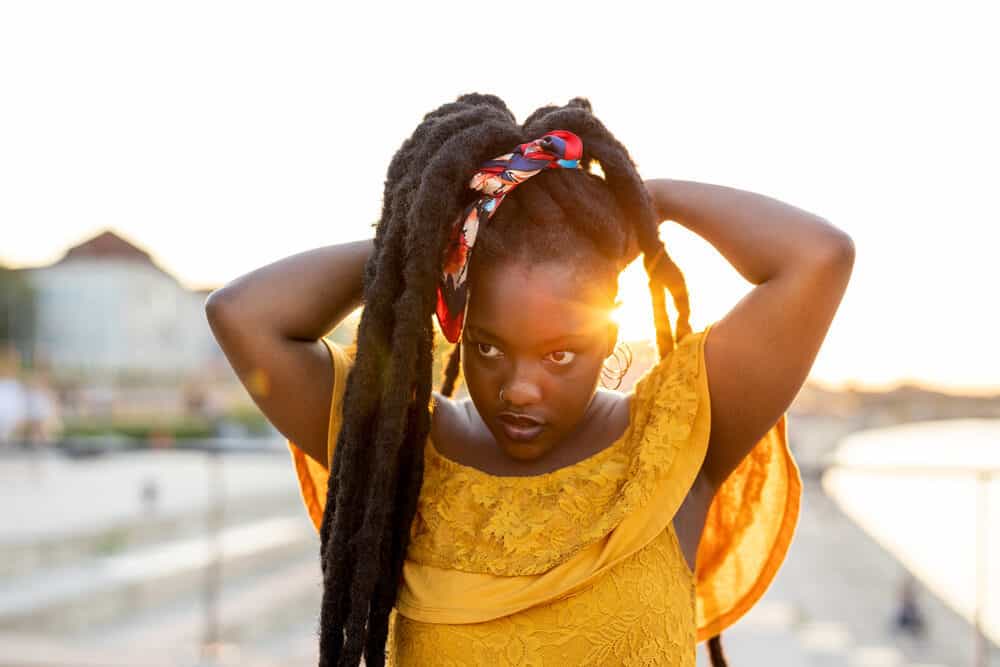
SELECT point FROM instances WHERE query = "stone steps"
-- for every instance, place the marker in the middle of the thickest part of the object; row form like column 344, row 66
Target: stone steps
column 26, row 557
column 262, row 607
column 95, row 591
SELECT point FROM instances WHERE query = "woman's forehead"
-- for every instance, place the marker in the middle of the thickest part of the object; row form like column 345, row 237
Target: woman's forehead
column 535, row 303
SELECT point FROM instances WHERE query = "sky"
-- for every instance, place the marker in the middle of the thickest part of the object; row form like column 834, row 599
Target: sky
column 222, row 136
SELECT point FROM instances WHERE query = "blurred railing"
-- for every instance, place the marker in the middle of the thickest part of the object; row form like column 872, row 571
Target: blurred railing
column 212, row 645
column 983, row 476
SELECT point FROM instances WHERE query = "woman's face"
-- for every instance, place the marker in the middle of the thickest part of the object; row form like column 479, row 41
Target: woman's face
column 532, row 332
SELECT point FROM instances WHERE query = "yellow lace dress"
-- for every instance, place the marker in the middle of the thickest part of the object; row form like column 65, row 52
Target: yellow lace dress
column 582, row 566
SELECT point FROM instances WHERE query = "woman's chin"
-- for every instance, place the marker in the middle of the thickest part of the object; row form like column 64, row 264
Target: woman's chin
column 526, row 452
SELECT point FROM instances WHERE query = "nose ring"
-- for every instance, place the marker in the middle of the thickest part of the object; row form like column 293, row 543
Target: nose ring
column 501, row 394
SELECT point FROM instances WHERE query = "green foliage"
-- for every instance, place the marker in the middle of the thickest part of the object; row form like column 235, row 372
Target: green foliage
column 177, row 428
column 112, row 541
column 250, row 417
column 17, row 309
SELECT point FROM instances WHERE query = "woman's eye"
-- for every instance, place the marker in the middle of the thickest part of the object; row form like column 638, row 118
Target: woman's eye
column 563, row 357
column 488, row 351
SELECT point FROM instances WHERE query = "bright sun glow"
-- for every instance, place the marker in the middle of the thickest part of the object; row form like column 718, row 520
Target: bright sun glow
column 282, row 193
column 634, row 315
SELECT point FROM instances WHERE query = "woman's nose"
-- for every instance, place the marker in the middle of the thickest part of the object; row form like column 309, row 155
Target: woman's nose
column 522, row 389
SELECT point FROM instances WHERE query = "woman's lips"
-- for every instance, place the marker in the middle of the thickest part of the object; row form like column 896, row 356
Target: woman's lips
column 519, row 428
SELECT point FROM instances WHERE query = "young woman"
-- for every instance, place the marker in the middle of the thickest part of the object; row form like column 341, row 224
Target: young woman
column 543, row 520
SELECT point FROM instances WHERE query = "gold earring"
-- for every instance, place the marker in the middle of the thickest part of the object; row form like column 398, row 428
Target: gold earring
column 623, row 359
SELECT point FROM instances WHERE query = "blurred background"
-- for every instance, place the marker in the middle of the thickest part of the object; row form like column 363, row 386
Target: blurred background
column 151, row 152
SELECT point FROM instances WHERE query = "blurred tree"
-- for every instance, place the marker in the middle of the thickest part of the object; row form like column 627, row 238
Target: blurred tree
column 18, row 311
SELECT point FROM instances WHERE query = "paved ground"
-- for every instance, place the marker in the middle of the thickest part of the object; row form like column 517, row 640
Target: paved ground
column 65, row 496
column 832, row 602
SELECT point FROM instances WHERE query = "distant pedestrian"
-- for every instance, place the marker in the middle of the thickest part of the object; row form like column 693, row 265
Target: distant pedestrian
column 909, row 619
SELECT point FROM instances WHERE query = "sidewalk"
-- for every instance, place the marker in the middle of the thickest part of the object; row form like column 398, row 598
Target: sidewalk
column 833, row 601
column 107, row 577
column 49, row 496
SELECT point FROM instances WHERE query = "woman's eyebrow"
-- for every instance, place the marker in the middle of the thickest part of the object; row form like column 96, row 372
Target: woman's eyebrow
column 577, row 337
column 480, row 331
column 485, row 333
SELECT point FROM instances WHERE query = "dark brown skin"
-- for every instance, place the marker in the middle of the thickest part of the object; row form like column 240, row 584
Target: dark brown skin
column 530, row 331
column 758, row 355
column 269, row 322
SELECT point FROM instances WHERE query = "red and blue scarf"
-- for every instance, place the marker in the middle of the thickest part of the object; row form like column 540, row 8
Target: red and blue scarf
column 495, row 178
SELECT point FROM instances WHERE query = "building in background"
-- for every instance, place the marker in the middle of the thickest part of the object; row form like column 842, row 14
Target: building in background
column 106, row 308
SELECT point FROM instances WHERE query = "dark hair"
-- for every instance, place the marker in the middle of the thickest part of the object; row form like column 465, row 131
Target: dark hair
column 377, row 466
column 566, row 215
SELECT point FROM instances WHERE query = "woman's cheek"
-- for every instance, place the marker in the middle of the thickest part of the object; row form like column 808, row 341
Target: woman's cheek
column 477, row 378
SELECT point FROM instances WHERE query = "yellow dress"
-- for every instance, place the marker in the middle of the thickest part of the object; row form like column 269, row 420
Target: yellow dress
column 581, row 565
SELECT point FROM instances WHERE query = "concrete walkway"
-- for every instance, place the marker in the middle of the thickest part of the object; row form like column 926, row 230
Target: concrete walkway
column 833, row 603
column 50, row 495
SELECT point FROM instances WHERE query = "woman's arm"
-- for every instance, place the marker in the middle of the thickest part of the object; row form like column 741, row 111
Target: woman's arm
column 268, row 323
column 759, row 354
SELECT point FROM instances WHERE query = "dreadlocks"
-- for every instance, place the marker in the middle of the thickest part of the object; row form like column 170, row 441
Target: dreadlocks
column 377, row 467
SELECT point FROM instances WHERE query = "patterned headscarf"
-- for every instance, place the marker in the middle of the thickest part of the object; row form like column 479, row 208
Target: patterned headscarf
column 495, row 178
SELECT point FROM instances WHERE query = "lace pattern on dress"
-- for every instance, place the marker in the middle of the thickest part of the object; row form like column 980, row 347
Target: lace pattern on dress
column 473, row 521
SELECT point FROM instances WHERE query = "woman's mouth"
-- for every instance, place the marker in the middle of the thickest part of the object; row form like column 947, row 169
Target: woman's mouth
column 520, row 428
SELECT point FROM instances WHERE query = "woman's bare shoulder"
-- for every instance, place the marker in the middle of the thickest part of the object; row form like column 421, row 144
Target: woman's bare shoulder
column 459, row 433
column 449, row 419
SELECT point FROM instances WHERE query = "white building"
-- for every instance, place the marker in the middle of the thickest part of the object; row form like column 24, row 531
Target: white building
column 107, row 307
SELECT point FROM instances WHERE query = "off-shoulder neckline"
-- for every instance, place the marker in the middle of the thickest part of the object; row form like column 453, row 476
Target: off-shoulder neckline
column 597, row 457
column 594, row 458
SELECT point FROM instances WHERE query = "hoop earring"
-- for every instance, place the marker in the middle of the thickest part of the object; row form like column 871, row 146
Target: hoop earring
column 623, row 360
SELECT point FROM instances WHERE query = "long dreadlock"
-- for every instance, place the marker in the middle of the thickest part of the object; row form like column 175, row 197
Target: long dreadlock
column 377, row 467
